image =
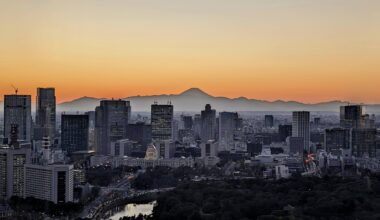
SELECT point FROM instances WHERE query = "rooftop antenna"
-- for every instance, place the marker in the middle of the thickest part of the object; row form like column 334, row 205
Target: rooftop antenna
column 16, row 89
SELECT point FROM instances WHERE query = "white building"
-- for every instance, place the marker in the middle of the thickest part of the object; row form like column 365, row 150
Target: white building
column 165, row 148
column 53, row 182
column 209, row 149
column 282, row 171
column 122, row 147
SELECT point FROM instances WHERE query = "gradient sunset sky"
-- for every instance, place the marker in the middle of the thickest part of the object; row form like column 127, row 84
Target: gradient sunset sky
column 303, row 50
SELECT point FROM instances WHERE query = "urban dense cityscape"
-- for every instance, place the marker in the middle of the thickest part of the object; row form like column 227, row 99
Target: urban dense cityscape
column 190, row 110
column 84, row 164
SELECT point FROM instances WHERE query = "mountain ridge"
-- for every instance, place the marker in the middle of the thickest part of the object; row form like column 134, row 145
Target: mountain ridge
column 194, row 99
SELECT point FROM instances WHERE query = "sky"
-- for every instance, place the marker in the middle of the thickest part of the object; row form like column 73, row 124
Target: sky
column 303, row 50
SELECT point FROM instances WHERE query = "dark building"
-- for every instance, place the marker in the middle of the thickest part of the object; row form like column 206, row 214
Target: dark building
column 162, row 122
column 351, row 116
column 140, row 132
column 284, row 132
column 17, row 111
column 45, row 114
column 111, row 122
column 296, row 145
column 364, row 142
column 74, row 136
column 208, row 130
column 187, row 122
column 254, row 148
column 337, row 138
column 269, row 121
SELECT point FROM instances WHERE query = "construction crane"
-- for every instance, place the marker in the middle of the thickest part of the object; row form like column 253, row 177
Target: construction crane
column 16, row 89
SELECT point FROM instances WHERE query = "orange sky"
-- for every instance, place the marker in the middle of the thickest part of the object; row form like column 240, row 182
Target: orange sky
column 308, row 51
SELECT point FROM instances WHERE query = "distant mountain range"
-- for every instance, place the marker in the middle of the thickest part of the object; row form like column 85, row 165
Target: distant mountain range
column 194, row 100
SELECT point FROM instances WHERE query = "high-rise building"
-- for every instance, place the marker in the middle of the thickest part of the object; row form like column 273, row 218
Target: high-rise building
column 74, row 133
column 187, row 121
column 111, row 122
column 284, row 131
column 17, row 111
column 269, row 121
column 351, row 116
column 228, row 123
column 53, row 182
column 301, row 127
column 12, row 161
column 140, row 132
column 363, row 142
column 45, row 124
column 208, row 129
column 162, row 122
column 296, row 145
column 337, row 138
column 197, row 126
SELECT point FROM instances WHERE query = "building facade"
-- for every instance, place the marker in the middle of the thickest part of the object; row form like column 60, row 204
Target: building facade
column 53, row 182
column 45, row 124
column 74, row 133
column 18, row 111
column 162, row 122
column 301, row 127
column 111, row 122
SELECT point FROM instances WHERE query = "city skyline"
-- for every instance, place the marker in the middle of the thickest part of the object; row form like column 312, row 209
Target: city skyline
column 256, row 49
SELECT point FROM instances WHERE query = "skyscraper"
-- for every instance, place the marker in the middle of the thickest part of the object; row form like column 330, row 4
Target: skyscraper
column 301, row 127
column 74, row 132
column 17, row 111
column 162, row 122
column 208, row 129
column 12, row 161
column 363, row 142
column 269, row 121
column 351, row 116
column 337, row 138
column 228, row 122
column 45, row 114
column 111, row 122
column 284, row 131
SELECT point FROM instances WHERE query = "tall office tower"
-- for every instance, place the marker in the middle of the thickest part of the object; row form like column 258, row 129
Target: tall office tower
column 368, row 121
column 162, row 122
column 269, row 121
column 301, row 127
column 12, row 161
column 351, row 116
column 74, row 133
column 140, row 132
column 111, row 122
column 208, row 129
column 45, row 114
column 284, row 131
column 228, row 123
column 296, row 145
column 363, row 142
column 187, row 122
column 53, row 182
column 17, row 111
column 337, row 138
column 197, row 126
